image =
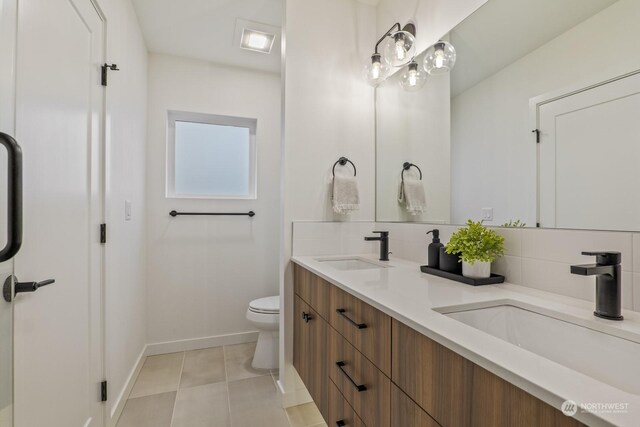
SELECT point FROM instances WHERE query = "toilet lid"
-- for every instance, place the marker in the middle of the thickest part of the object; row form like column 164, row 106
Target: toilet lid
column 266, row 305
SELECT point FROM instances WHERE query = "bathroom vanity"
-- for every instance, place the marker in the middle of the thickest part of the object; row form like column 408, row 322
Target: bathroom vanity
column 383, row 345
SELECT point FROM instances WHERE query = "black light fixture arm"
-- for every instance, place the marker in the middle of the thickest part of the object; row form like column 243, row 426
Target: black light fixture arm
column 410, row 28
column 396, row 27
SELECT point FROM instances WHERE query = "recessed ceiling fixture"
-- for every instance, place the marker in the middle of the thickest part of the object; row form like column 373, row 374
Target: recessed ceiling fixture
column 257, row 41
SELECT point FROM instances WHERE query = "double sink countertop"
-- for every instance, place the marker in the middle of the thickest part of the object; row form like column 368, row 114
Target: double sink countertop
column 399, row 289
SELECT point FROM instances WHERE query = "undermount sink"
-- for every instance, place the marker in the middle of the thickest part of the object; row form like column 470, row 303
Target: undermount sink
column 605, row 357
column 352, row 263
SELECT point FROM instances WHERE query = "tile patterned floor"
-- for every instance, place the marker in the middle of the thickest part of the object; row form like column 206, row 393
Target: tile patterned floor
column 214, row 387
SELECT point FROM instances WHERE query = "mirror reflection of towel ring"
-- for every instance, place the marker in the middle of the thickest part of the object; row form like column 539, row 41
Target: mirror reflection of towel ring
column 342, row 161
column 408, row 166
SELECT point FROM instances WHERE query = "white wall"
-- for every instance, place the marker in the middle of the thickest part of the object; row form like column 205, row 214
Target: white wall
column 329, row 112
column 125, row 271
column 413, row 127
column 493, row 153
column 204, row 271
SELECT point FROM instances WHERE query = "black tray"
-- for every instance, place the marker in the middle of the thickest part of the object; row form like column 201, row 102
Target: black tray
column 494, row 279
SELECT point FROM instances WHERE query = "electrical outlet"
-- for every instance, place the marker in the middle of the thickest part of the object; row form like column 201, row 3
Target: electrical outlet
column 487, row 214
column 127, row 210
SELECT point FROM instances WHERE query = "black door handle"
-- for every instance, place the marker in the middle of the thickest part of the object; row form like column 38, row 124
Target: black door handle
column 359, row 387
column 340, row 423
column 21, row 287
column 14, row 197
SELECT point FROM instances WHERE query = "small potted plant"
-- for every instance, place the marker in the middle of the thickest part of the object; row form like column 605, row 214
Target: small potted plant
column 478, row 247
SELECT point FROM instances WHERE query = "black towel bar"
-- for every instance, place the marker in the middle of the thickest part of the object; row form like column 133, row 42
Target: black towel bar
column 249, row 214
column 408, row 166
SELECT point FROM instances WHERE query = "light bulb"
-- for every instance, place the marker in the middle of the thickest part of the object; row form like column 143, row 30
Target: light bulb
column 375, row 71
column 414, row 78
column 439, row 58
column 401, row 54
column 399, row 49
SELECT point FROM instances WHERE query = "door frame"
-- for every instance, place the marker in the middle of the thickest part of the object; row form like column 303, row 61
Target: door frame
column 534, row 113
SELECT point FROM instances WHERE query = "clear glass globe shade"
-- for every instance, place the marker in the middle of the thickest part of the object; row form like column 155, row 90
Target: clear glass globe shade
column 413, row 78
column 439, row 58
column 400, row 49
column 375, row 72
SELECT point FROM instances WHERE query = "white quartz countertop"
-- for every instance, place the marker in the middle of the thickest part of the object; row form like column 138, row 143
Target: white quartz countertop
column 405, row 293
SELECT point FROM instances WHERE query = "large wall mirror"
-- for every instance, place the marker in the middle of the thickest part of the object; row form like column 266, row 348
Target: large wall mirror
column 538, row 123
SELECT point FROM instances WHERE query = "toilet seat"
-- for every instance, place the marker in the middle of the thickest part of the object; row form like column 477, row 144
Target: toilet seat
column 268, row 305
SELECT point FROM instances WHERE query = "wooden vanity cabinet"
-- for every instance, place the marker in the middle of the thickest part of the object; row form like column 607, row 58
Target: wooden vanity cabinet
column 310, row 355
column 394, row 376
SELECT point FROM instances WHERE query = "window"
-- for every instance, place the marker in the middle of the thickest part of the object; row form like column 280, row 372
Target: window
column 211, row 156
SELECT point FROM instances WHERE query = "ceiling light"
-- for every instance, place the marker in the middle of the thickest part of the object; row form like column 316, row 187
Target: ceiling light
column 257, row 41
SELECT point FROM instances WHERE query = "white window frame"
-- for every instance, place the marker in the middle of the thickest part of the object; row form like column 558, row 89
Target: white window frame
column 212, row 119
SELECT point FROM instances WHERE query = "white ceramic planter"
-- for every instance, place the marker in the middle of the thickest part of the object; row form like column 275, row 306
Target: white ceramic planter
column 479, row 270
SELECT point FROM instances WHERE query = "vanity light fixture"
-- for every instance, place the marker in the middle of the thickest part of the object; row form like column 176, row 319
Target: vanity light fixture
column 257, row 41
column 440, row 58
column 399, row 50
column 413, row 78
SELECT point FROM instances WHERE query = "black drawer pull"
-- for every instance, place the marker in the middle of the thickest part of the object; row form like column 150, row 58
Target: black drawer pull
column 342, row 311
column 340, row 423
column 306, row 317
column 359, row 387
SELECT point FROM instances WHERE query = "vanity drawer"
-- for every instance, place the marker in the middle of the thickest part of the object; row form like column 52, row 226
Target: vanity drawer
column 363, row 385
column 313, row 289
column 367, row 328
column 498, row 403
column 439, row 380
column 405, row 412
column 341, row 414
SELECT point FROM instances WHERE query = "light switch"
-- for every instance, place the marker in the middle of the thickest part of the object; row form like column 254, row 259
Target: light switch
column 127, row 210
column 487, row 214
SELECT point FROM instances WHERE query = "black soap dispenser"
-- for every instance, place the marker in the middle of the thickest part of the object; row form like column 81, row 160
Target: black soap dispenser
column 433, row 260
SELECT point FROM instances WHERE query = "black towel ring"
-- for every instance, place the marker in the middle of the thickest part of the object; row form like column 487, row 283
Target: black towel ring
column 342, row 161
column 408, row 166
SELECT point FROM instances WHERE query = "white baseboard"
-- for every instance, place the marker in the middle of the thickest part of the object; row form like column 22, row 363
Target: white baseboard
column 121, row 400
column 200, row 343
column 294, row 398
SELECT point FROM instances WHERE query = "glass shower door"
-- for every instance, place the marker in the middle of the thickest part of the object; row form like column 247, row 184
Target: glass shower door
column 8, row 18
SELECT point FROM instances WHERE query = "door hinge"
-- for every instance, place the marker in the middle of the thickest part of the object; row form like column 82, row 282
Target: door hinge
column 103, row 233
column 537, row 132
column 105, row 71
column 103, row 391
column 537, row 225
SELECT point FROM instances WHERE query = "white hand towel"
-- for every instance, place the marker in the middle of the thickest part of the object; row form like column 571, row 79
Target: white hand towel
column 346, row 197
column 411, row 194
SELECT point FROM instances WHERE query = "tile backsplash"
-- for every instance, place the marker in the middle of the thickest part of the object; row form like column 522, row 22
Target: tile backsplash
column 538, row 259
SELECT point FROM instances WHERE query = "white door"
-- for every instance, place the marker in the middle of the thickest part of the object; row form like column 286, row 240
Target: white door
column 589, row 167
column 7, row 104
column 59, row 122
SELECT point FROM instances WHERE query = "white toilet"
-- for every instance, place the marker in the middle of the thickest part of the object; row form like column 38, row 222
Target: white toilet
column 264, row 314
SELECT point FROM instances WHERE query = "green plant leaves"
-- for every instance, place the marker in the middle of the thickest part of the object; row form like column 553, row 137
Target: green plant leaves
column 476, row 242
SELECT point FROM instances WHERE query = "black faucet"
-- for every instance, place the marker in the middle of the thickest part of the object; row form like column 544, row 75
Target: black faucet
column 384, row 243
column 608, row 283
